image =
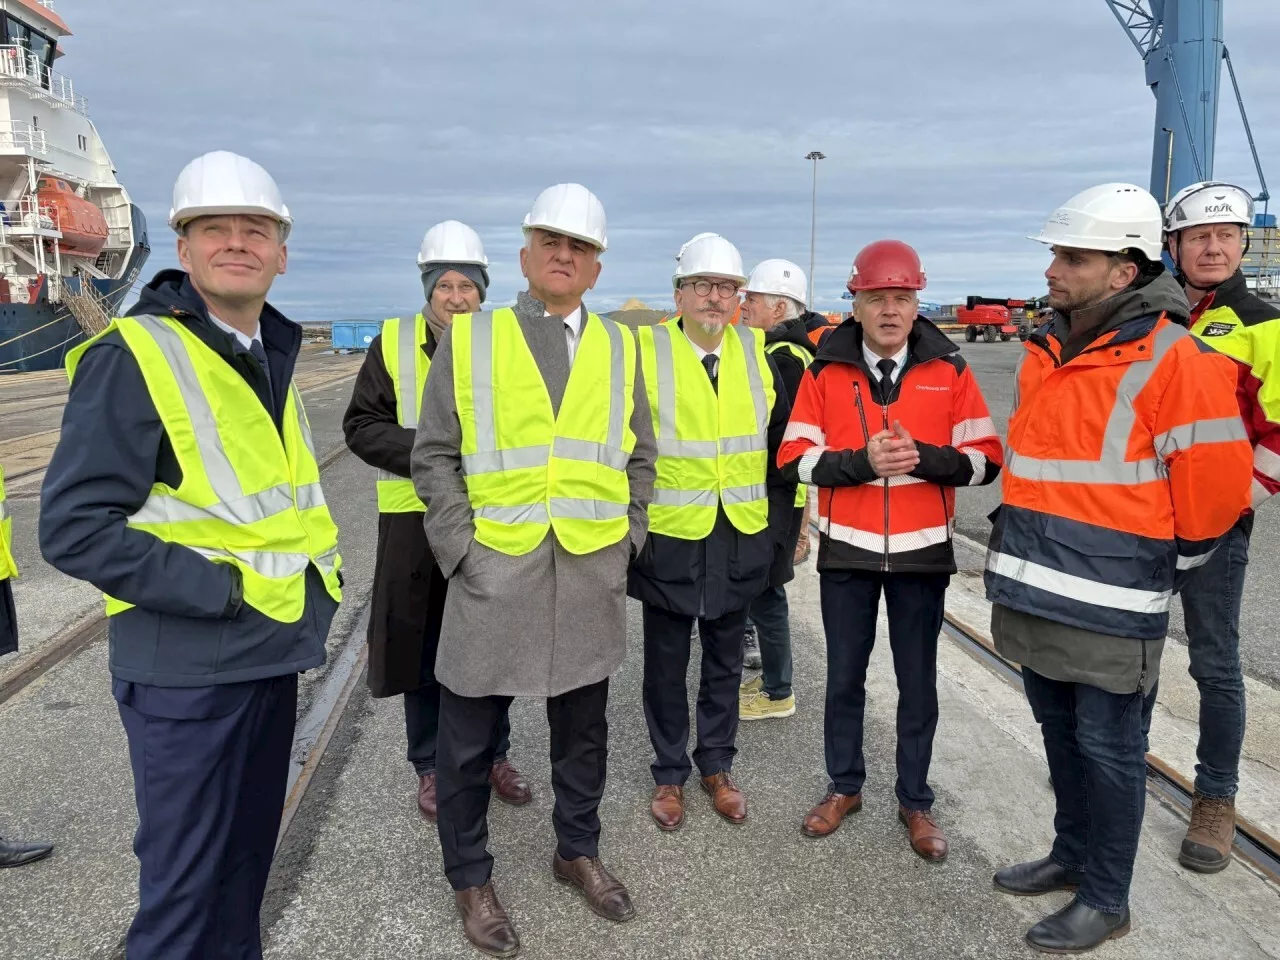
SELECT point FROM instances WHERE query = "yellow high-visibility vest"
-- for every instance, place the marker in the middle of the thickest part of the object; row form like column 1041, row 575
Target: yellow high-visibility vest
column 527, row 469
column 408, row 365
column 713, row 446
column 250, row 496
column 8, row 567
column 806, row 358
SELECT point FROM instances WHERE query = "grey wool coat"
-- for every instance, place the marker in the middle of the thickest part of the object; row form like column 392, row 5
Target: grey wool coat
column 547, row 622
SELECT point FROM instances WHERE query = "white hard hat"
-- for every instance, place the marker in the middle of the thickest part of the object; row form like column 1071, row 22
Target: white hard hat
column 1111, row 217
column 222, row 183
column 572, row 210
column 452, row 242
column 708, row 255
column 779, row 278
column 1211, row 201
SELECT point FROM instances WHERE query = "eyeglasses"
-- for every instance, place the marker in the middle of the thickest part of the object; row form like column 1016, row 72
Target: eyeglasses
column 726, row 288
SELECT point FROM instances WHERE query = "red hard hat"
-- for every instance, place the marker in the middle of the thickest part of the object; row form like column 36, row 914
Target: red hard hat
column 884, row 264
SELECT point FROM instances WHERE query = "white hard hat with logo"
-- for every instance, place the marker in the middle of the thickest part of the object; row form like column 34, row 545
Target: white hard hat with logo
column 222, row 182
column 1211, row 201
column 778, row 278
column 572, row 210
column 1111, row 217
column 452, row 242
column 708, row 255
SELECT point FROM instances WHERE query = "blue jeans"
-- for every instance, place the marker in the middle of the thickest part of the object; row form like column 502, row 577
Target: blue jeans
column 1093, row 742
column 1211, row 609
column 772, row 616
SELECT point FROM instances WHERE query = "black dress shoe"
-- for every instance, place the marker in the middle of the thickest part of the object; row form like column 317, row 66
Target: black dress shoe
column 1036, row 878
column 1077, row 928
column 15, row 853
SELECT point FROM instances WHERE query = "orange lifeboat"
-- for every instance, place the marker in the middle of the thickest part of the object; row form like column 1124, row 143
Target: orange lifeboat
column 83, row 226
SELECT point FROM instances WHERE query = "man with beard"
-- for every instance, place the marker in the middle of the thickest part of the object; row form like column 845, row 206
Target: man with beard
column 720, row 511
column 1127, row 460
column 408, row 588
column 534, row 457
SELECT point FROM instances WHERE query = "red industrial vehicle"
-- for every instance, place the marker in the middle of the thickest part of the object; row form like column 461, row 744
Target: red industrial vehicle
column 993, row 319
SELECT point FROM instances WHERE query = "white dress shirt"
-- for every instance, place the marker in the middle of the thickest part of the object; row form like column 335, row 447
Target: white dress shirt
column 246, row 341
column 572, row 330
column 899, row 360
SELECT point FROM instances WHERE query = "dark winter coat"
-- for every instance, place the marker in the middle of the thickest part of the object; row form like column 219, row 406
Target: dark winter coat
column 727, row 569
column 408, row 589
column 8, row 619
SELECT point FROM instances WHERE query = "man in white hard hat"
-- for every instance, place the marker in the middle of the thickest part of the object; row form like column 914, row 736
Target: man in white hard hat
column 534, row 458
column 1206, row 235
column 185, row 486
column 720, row 513
column 408, row 588
column 1126, row 461
column 774, row 303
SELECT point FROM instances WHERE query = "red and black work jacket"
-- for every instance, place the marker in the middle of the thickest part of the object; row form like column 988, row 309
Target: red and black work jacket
column 899, row 524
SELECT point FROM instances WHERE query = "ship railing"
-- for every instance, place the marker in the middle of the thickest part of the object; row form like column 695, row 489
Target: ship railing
column 21, row 135
column 25, row 216
column 20, row 64
column 47, row 4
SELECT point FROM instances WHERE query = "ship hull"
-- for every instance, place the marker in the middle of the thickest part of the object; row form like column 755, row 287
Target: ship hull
column 39, row 335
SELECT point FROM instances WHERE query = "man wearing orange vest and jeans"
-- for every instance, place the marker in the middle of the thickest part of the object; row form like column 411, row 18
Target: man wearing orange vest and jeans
column 889, row 420
column 1126, row 461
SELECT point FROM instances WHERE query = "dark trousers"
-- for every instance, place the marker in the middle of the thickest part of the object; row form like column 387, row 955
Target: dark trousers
column 210, row 766
column 850, row 602
column 772, row 616
column 468, row 743
column 667, row 638
column 1093, row 742
column 1211, row 609
column 422, row 726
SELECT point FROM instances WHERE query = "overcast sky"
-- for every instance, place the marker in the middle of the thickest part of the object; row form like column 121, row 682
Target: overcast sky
column 956, row 125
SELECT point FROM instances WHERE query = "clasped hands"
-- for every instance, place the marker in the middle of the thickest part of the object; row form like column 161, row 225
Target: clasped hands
column 893, row 453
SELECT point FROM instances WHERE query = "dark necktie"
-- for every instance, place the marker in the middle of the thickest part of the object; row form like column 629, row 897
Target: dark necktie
column 709, row 363
column 885, row 367
column 260, row 354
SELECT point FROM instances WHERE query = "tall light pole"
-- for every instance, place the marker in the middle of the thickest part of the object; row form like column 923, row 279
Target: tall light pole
column 815, row 156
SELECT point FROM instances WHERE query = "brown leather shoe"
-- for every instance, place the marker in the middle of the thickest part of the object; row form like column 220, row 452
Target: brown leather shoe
column 1207, row 845
column 726, row 797
column 926, row 836
column 667, row 806
column 427, row 796
column 606, row 896
column 485, row 923
column 824, row 819
column 509, row 784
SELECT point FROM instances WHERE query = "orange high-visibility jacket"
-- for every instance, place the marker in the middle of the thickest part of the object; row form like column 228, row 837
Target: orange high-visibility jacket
column 1123, row 467
column 903, row 524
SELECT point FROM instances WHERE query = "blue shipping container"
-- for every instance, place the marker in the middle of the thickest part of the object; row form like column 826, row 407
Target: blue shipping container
column 354, row 334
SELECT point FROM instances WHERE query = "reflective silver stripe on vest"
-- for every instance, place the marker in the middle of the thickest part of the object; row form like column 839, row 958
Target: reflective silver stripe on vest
column 664, row 497
column 388, row 475
column 327, row 561
column 1079, row 589
column 240, row 512
column 407, row 360
column 310, row 496
column 566, row 448
column 1221, row 430
column 747, row 494
column 572, row 508
column 1111, row 467
column 303, row 423
column 1124, row 472
column 213, row 456
column 754, row 378
column 495, row 461
column 665, row 364
column 274, row 566
column 694, row 449
column 4, row 511
column 529, row 513
column 617, row 395
column 752, row 444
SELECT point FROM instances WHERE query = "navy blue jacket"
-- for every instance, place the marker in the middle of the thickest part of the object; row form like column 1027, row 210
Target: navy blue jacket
column 185, row 628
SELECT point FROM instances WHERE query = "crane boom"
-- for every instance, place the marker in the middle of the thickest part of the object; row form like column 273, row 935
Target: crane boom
column 1180, row 41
